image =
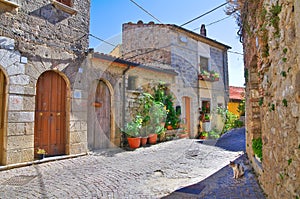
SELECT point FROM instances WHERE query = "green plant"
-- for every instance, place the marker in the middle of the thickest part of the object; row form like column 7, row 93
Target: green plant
column 257, row 147
column 285, row 50
column 261, row 101
column 229, row 119
column 132, row 128
column 283, row 73
column 290, row 161
column 284, row 59
column 242, row 107
column 41, row 151
column 284, row 101
column 274, row 18
column 213, row 134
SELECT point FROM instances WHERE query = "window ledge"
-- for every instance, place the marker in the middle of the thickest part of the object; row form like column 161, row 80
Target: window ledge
column 64, row 7
column 10, row 3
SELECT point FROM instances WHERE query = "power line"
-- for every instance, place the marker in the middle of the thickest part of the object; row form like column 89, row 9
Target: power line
column 213, row 22
column 102, row 40
column 146, row 11
column 204, row 14
column 235, row 52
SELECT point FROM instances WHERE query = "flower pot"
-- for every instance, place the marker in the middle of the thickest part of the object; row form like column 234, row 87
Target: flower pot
column 169, row 127
column 41, row 156
column 152, row 138
column 134, row 142
column 144, row 141
column 202, row 137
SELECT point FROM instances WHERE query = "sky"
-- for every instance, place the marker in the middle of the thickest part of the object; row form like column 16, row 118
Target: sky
column 107, row 17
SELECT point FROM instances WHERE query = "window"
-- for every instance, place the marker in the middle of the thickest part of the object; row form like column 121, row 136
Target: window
column 65, row 6
column 66, row 2
column 205, row 106
column 203, row 63
column 132, row 83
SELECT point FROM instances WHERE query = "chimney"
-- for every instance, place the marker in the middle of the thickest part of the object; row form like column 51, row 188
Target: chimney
column 203, row 30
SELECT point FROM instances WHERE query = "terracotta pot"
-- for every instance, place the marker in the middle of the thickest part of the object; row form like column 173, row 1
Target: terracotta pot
column 169, row 127
column 144, row 141
column 134, row 142
column 152, row 138
column 202, row 137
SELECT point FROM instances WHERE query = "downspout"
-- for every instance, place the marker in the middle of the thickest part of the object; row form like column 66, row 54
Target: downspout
column 124, row 101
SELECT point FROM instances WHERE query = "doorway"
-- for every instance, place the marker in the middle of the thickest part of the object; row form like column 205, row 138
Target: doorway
column 187, row 113
column 50, row 114
column 101, row 131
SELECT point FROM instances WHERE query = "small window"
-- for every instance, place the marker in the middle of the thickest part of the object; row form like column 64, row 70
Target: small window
column 206, row 107
column 203, row 63
column 66, row 2
column 132, row 83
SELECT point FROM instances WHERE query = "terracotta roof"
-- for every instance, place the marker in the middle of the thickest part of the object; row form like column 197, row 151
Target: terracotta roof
column 236, row 93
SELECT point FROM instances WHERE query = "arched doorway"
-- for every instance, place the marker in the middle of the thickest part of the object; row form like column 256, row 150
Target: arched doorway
column 50, row 114
column 100, row 137
column 2, row 111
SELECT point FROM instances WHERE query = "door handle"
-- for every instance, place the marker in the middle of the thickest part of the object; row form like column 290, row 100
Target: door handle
column 58, row 114
column 41, row 114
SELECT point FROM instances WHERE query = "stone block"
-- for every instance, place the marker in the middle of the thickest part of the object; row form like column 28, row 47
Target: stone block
column 20, row 116
column 16, row 129
column 20, row 142
column 78, row 148
column 16, row 69
column 7, row 43
column 15, row 102
column 20, row 79
column 78, row 137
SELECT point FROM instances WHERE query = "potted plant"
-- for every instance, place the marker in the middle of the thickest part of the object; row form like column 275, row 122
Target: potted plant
column 204, row 75
column 132, row 130
column 214, row 75
column 203, row 135
column 207, row 118
column 41, row 153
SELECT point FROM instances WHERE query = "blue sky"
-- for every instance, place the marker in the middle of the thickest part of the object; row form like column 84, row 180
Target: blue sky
column 107, row 17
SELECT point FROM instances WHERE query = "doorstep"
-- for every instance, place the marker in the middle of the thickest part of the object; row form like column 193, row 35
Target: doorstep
column 47, row 159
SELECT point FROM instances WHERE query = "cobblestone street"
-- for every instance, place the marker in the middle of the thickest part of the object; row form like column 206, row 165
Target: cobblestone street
column 150, row 172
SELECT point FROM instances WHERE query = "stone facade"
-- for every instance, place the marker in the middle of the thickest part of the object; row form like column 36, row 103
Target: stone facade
column 35, row 37
column 180, row 49
column 271, row 35
column 116, row 73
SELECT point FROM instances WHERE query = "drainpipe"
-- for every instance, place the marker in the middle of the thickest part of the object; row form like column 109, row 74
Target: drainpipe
column 124, row 100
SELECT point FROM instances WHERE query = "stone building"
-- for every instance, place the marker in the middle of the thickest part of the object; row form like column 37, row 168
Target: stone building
column 42, row 48
column 236, row 95
column 271, row 37
column 194, row 57
column 113, row 86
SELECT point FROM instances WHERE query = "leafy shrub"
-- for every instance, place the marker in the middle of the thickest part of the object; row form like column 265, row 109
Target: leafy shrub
column 257, row 147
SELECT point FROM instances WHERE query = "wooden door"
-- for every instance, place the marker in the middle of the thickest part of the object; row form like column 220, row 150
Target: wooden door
column 187, row 116
column 102, row 128
column 50, row 114
column 2, row 110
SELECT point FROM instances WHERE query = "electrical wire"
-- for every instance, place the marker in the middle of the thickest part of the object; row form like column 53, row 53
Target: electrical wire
column 213, row 22
column 235, row 52
column 204, row 14
column 146, row 11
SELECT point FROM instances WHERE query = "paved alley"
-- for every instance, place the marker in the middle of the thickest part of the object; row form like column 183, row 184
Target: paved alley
column 171, row 169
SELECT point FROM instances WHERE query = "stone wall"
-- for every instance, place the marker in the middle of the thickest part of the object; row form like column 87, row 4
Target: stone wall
column 34, row 38
column 171, row 45
column 271, row 35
